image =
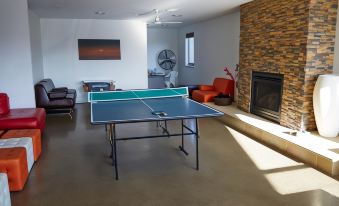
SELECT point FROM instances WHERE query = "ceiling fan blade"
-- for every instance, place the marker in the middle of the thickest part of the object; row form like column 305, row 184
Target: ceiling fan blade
column 172, row 10
column 171, row 22
column 165, row 22
column 153, row 11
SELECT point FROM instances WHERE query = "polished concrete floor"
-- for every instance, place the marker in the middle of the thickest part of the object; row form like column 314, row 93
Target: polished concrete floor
column 75, row 169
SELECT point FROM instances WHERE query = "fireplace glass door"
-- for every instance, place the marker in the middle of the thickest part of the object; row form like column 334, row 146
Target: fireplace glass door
column 266, row 95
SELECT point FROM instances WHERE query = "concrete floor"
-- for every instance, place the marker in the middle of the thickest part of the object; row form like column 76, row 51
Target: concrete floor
column 75, row 169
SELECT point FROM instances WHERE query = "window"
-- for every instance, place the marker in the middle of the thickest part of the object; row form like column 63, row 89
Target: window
column 189, row 50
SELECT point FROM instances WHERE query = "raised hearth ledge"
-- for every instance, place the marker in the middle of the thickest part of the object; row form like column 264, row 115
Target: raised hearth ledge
column 318, row 152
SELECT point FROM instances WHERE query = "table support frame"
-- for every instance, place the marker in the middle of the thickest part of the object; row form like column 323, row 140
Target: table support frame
column 113, row 140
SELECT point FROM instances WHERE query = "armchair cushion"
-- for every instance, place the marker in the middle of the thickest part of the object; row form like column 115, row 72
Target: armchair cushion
column 57, row 95
column 204, row 96
column 206, row 88
column 72, row 91
column 60, row 89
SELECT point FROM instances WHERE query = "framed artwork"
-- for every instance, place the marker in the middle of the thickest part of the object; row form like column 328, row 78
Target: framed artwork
column 99, row 49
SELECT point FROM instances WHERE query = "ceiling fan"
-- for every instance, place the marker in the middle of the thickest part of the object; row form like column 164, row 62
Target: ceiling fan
column 157, row 11
column 157, row 19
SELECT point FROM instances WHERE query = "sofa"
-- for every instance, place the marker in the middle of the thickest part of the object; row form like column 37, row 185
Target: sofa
column 51, row 98
column 206, row 93
column 25, row 118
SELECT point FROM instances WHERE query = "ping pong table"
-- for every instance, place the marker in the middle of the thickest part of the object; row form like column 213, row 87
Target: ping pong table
column 111, row 108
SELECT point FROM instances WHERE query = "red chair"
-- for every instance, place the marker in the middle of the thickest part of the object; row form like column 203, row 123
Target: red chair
column 206, row 93
column 28, row 118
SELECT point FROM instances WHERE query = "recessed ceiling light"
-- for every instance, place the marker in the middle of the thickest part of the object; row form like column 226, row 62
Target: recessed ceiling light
column 175, row 9
column 100, row 12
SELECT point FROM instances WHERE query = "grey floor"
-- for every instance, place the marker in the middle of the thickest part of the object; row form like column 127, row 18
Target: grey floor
column 75, row 169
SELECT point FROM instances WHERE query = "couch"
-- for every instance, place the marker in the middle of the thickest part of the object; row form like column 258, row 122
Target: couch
column 51, row 98
column 26, row 118
column 206, row 93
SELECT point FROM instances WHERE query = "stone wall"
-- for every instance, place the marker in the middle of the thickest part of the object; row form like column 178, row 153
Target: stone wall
column 290, row 37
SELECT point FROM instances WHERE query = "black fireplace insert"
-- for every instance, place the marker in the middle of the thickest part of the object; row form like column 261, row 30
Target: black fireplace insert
column 266, row 95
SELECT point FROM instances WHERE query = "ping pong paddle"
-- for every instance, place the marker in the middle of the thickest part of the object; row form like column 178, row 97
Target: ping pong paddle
column 160, row 113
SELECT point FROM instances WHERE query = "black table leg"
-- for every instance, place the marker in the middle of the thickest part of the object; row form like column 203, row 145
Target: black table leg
column 110, row 139
column 181, row 147
column 114, row 149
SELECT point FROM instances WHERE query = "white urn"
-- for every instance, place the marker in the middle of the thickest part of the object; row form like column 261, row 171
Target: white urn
column 326, row 105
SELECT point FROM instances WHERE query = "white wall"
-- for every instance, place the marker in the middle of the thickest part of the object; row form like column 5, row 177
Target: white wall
column 159, row 39
column 216, row 46
column 15, row 54
column 36, row 50
column 336, row 48
column 61, row 59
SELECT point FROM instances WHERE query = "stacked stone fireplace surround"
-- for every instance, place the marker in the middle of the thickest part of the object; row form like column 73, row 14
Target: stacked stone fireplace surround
column 291, row 37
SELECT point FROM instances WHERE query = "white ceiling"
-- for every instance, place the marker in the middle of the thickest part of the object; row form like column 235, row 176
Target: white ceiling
column 192, row 10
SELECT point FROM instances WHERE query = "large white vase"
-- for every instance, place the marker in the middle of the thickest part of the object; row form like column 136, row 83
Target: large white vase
column 326, row 105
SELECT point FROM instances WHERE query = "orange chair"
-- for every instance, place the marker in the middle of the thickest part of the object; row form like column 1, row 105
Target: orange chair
column 13, row 161
column 35, row 134
column 206, row 93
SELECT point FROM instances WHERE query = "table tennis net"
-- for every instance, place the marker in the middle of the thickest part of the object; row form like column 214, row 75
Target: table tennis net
column 137, row 94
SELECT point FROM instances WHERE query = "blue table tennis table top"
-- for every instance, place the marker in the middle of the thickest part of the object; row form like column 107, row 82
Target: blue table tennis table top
column 143, row 109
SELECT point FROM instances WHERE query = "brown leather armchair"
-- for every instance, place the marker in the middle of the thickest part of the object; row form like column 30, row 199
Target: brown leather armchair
column 54, row 99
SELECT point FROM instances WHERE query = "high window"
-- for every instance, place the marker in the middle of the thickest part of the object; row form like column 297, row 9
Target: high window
column 189, row 50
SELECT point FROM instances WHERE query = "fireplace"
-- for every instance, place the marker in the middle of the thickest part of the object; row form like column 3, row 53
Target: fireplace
column 266, row 95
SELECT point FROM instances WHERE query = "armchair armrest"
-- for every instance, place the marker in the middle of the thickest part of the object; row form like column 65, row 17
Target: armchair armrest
column 60, row 89
column 206, row 87
column 57, row 95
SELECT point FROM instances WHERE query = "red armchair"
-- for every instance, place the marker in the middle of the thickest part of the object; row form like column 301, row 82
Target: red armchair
column 30, row 118
column 206, row 93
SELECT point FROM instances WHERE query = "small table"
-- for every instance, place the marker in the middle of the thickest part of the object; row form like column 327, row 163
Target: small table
column 156, row 81
column 98, row 85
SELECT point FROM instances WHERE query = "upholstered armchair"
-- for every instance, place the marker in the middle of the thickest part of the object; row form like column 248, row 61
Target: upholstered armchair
column 206, row 93
column 54, row 99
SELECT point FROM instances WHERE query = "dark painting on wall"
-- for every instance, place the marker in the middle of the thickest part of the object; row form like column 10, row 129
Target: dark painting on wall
column 99, row 49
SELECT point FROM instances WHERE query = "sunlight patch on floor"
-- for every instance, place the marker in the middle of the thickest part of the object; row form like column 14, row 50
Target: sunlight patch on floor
column 263, row 157
column 285, row 175
column 301, row 180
